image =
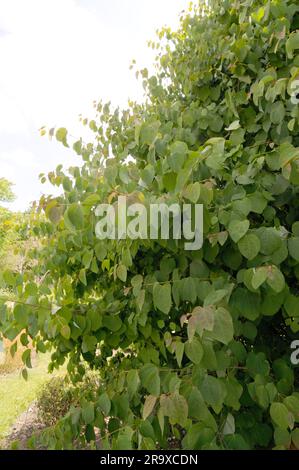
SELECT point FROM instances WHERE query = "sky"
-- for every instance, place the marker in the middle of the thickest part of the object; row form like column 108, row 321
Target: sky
column 56, row 57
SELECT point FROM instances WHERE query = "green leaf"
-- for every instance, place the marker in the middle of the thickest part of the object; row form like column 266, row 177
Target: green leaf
column 150, row 379
column 169, row 181
column 249, row 246
column 175, row 407
column 100, row 251
column 65, row 331
column 124, row 439
column 275, row 279
column 282, row 437
column 54, row 212
column 178, row 153
column 281, row 416
column 292, row 404
column 121, row 272
column 94, row 266
column 140, row 299
column 277, row 113
column 147, row 431
column 104, row 403
column 179, row 352
column 292, row 44
column 133, row 382
column 87, row 259
column 148, row 132
column 237, row 229
column 182, row 179
column 213, row 392
column 89, row 343
column 194, row 351
column 21, row 315
column 14, row 347
column 202, row 318
column 295, row 229
column 187, row 289
column 82, row 276
column 292, row 305
column 61, row 136
column 229, row 425
column 112, row 322
column 214, row 297
column 259, row 277
column 295, row 437
column 9, row 278
column 233, row 126
column 198, row 436
column 199, row 410
column 148, row 407
column 162, row 297
column 234, row 393
column 257, row 364
column 148, row 174
column 74, row 218
column 270, row 240
column 215, row 148
column 88, row 413
column 236, row 442
column 258, row 203
column 246, row 303
column 26, row 358
column 192, row 192
column 223, row 330
column 293, row 244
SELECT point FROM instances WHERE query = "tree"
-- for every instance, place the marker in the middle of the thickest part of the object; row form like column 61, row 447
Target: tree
column 194, row 345
column 6, row 193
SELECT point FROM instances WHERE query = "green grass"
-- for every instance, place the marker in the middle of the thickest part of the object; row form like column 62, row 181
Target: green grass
column 16, row 394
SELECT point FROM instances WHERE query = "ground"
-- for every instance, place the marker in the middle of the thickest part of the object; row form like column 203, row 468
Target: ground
column 27, row 424
column 18, row 415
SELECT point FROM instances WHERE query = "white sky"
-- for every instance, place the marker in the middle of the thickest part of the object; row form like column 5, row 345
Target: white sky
column 56, row 57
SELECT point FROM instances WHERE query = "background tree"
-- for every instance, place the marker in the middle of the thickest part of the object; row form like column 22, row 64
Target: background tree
column 6, row 193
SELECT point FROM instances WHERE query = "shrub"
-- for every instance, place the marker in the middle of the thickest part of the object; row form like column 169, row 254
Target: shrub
column 194, row 345
column 54, row 401
column 58, row 395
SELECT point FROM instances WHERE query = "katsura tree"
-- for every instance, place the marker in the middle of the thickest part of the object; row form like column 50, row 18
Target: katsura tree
column 190, row 345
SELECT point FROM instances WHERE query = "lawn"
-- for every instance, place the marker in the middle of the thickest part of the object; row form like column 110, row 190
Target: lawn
column 16, row 394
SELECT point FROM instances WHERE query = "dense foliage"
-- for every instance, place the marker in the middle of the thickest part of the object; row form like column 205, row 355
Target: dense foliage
column 194, row 345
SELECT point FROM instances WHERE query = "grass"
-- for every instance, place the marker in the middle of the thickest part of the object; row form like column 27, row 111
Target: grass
column 16, row 394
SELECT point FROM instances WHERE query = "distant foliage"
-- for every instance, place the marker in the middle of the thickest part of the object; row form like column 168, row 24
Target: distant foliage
column 6, row 195
column 191, row 345
column 6, row 192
